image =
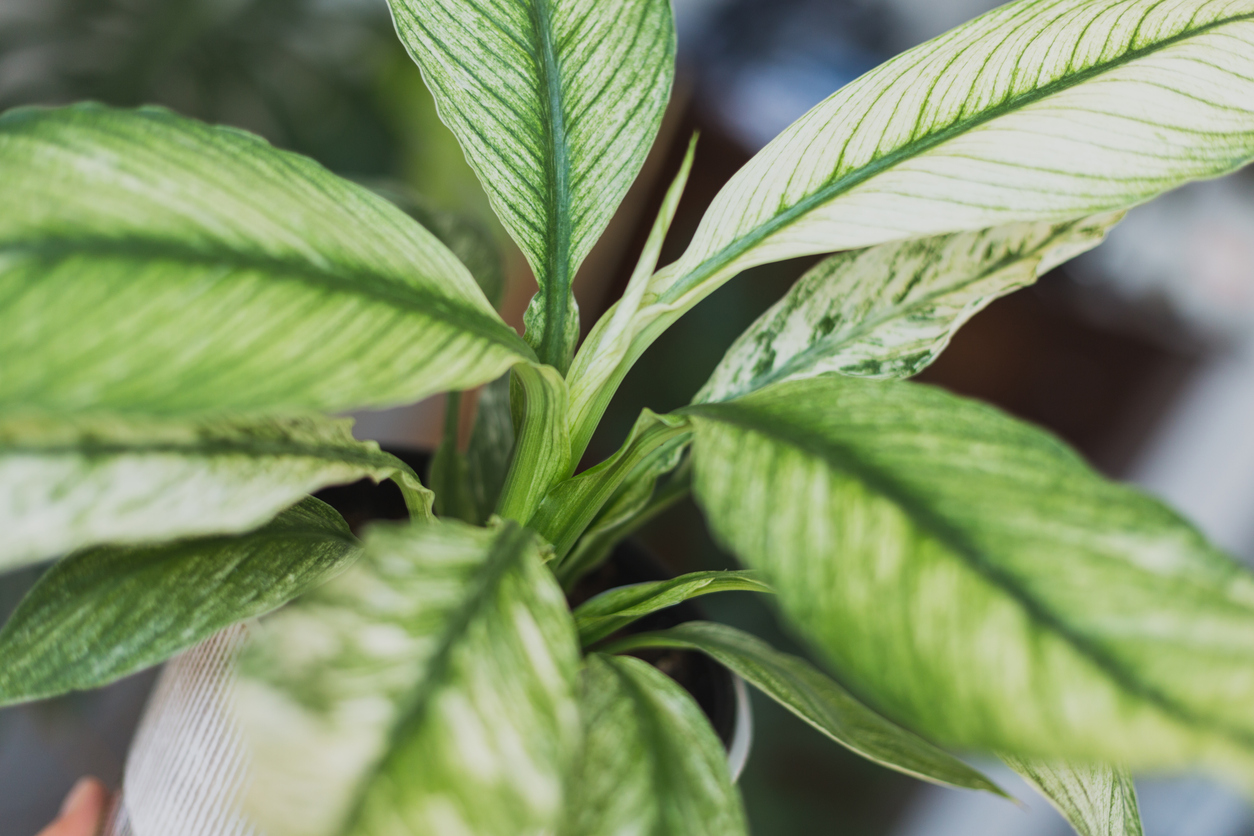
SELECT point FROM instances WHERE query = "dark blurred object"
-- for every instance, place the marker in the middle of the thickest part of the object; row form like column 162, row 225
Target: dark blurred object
column 302, row 73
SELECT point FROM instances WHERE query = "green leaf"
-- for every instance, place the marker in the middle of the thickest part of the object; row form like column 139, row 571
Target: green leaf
column 542, row 445
column 70, row 483
column 814, row 697
column 971, row 577
column 592, row 376
column 614, row 609
column 428, row 689
column 651, row 763
column 556, row 103
column 491, row 444
column 888, row 311
column 571, row 505
column 151, row 263
column 468, row 240
column 1096, row 800
column 105, row 613
column 1041, row 110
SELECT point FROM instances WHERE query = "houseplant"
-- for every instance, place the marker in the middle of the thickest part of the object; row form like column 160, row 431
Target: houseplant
column 182, row 304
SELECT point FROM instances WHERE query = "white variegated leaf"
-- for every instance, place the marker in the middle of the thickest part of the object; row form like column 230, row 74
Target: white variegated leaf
column 1040, row 110
column 555, row 103
column 1096, row 800
column 428, row 689
column 651, row 763
column 151, row 263
column 888, row 311
column 972, row 578
column 69, row 483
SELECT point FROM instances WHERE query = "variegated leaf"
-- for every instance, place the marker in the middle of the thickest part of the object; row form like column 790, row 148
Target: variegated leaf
column 651, row 763
column 151, row 263
column 888, row 311
column 556, row 103
column 104, row 613
column 428, row 689
column 1096, row 800
column 974, row 580
column 70, row 483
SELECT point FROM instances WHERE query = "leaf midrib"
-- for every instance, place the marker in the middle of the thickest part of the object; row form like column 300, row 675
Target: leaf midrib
column 412, row 298
column 909, row 150
column 841, row 457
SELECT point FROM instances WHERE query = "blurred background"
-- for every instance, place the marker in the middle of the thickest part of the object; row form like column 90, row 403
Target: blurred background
column 1141, row 354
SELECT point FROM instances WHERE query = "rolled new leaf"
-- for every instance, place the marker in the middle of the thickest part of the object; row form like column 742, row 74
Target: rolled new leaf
column 1096, row 800
column 817, row 699
column 556, row 104
column 68, row 483
column 151, row 263
column 107, row 612
column 615, row 608
column 1041, row 110
column 889, row 311
column 430, row 689
column 651, row 763
column 973, row 579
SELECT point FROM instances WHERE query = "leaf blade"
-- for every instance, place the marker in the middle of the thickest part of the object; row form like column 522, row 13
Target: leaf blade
column 615, row 608
column 1096, row 800
column 68, row 483
column 434, row 685
column 1064, row 579
column 156, row 264
column 555, row 104
column 105, row 613
column 818, row 700
column 651, row 762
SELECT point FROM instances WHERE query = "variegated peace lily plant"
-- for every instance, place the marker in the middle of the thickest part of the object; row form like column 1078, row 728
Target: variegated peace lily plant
column 181, row 305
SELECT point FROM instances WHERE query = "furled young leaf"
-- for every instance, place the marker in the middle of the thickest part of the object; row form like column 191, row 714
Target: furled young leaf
column 107, row 612
column 571, row 505
column 888, row 311
column 153, row 263
column 542, row 448
column 973, row 578
column 428, row 689
column 616, row 608
column 651, row 763
column 556, row 103
column 814, row 697
column 1096, row 800
column 70, row 483
column 1041, row 110
column 611, row 337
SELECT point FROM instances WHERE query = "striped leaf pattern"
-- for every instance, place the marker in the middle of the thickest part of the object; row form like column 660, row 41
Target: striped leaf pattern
column 975, row 580
column 555, row 103
column 150, row 263
column 889, row 311
column 1040, row 110
column 651, row 763
column 104, row 613
column 428, row 689
column 1096, row 800
column 67, row 483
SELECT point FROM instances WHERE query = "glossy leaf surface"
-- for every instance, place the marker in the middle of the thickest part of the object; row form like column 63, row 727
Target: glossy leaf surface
column 107, row 612
column 1096, row 800
column 428, row 689
column 152, row 263
column 888, row 311
column 70, row 483
column 814, row 697
column 651, row 763
column 616, row 608
column 971, row 577
column 555, row 103
column 1042, row 110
